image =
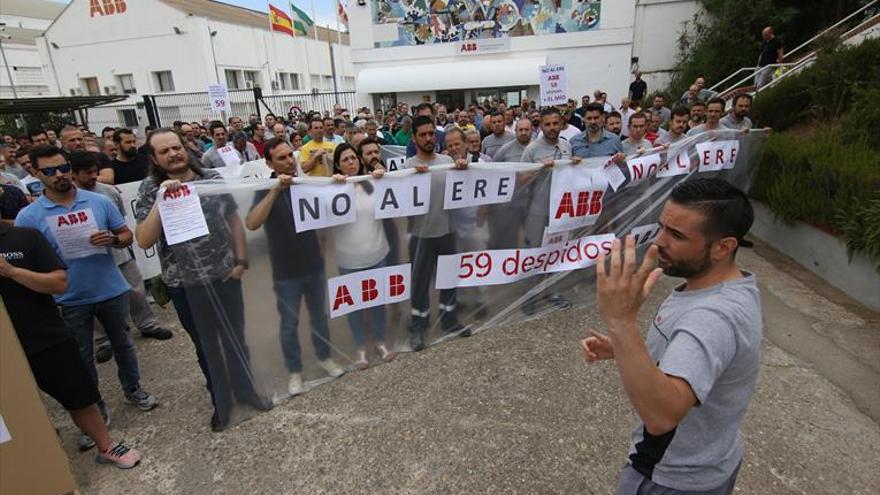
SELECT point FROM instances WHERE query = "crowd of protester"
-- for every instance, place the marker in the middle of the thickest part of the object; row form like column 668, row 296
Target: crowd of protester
column 47, row 172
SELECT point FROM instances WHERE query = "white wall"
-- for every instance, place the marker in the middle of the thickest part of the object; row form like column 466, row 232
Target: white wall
column 142, row 40
column 598, row 59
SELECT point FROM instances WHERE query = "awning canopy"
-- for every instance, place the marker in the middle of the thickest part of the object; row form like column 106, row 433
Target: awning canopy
column 451, row 75
column 55, row 103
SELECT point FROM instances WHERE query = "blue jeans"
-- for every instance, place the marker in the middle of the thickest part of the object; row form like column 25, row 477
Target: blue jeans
column 112, row 314
column 377, row 313
column 288, row 295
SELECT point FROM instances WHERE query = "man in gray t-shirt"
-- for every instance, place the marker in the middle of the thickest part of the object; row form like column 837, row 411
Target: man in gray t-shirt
column 499, row 137
column 738, row 118
column 431, row 237
column 638, row 127
column 691, row 383
column 507, row 220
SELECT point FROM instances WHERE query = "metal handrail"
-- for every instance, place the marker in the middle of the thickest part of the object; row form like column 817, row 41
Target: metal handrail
column 738, row 83
column 814, row 38
column 794, row 70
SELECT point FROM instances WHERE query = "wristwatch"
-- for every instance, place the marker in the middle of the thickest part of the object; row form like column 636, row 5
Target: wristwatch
column 242, row 262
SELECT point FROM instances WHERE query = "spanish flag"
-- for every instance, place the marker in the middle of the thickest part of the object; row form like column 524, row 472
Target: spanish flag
column 280, row 21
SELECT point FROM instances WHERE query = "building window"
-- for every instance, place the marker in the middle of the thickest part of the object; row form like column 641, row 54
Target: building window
column 164, row 81
column 316, row 83
column 251, row 78
column 289, row 80
column 328, row 83
column 232, row 79
column 126, row 84
column 349, row 83
column 128, row 116
column 90, row 86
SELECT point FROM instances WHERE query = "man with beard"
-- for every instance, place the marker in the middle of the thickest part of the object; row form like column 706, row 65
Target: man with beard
column 73, row 139
column 738, row 118
column 499, row 137
column 714, row 111
column 596, row 141
column 698, row 115
column 372, row 128
column 371, row 154
column 636, row 142
column 431, row 237
column 95, row 286
column 614, row 123
column 691, row 381
column 677, row 126
column 544, row 150
column 129, row 165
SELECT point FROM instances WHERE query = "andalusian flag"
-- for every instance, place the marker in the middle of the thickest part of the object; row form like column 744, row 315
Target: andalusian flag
column 280, row 21
column 301, row 21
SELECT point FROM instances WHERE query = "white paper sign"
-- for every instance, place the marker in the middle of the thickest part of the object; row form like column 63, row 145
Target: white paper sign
column 4, row 431
column 181, row 214
column 716, row 155
column 677, row 164
column 474, row 187
column 613, row 174
column 575, row 196
column 552, row 238
column 72, row 231
column 368, row 288
column 642, row 167
column 402, row 196
column 147, row 259
column 256, row 169
column 316, row 207
column 503, row 266
column 33, row 185
column 218, row 95
column 230, row 156
column 552, row 80
column 394, row 163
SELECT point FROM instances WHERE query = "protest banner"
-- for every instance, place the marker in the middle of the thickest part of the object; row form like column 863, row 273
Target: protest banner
column 576, row 194
column 552, row 85
column 218, row 96
column 147, row 259
column 368, row 288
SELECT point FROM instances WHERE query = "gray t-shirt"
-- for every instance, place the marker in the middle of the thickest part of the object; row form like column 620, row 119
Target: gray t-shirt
column 631, row 148
column 730, row 122
column 665, row 114
column 492, row 143
column 536, row 152
column 435, row 223
column 668, row 138
column 120, row 256
column 711, row 338
column 205, row 259
column 512, row 152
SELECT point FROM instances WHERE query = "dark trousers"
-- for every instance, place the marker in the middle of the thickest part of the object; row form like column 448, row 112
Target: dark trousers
column 213, row 316
column 423, row 252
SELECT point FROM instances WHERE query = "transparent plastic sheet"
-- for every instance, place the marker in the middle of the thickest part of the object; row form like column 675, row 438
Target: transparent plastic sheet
column 248, row 355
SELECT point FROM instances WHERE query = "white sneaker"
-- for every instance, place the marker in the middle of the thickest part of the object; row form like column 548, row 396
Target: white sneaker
column 295, row 385
column 331, row 368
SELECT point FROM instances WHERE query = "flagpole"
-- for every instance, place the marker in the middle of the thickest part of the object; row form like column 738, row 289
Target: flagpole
column 314, row 20
column 266, row 48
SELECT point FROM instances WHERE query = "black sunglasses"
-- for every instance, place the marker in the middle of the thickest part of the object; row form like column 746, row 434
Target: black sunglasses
column 51, row 171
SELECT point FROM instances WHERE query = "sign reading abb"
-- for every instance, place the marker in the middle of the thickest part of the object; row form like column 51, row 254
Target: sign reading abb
column 576, row 195
column 368, row 288
column 106, row 7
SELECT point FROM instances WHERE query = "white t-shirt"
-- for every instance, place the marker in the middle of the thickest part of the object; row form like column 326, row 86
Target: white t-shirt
column 361, row 244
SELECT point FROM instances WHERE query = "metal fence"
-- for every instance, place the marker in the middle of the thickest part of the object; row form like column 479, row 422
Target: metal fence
column 163, row 109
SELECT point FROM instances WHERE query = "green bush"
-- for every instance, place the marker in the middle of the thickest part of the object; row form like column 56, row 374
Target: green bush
column 825, row 91
column 861, row 228
column 861, row 123
column 823, row 181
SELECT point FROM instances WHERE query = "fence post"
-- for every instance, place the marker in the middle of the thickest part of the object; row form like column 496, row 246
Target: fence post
column 150, row 108
column 258, row 95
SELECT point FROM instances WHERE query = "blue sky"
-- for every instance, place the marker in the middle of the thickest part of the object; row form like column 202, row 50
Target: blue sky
column 325, row 10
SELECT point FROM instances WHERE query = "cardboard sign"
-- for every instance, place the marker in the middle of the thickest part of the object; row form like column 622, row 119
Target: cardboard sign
column 317, row 207
column 218, row 96
column 576, row 193
column 553, row 86
column 147, row 259
column 368, row 288
column 181, row 214
column 503, row 266
column 475, row 187
column 402, row 196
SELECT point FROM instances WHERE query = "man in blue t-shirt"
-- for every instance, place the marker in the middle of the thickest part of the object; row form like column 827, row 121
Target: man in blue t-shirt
column 82, row 227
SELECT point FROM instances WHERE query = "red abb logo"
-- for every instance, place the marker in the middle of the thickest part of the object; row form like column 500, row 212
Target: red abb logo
column 588, row 203
column 73, row 218
column 107, row 7
column 181, row 192
column 468, row 47
column 368, row 288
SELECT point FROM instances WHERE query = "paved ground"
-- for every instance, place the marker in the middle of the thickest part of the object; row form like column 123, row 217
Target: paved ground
column 511, row 410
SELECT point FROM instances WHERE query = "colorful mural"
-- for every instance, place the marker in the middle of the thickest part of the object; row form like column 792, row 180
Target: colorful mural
column 421, row 22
